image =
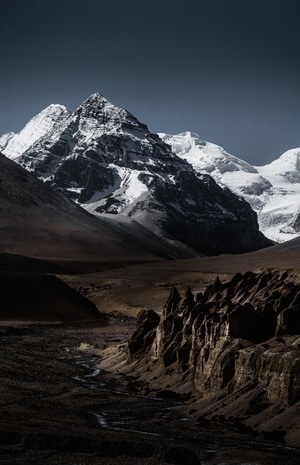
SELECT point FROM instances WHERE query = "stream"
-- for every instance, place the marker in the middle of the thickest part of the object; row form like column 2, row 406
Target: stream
column 131, row 412
column 59, row 408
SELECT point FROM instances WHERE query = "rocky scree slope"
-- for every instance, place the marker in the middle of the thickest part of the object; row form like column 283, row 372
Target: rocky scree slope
column 272, row 190
column 103, row 158
column 237, row 344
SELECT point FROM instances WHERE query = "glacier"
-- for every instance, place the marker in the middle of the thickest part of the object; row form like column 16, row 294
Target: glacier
column 272, row 190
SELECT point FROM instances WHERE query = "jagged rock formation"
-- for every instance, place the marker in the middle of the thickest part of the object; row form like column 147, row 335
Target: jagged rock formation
column 237, row 340
column 103, row 158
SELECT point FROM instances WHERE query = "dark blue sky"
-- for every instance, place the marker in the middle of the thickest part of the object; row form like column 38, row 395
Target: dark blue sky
column 226, row 69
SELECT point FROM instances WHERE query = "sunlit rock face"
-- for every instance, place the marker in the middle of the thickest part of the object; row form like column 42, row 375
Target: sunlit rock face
column 104, row 159
column 236, row 336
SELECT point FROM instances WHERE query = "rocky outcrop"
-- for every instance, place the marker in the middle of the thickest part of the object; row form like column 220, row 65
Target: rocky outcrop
column 239, row 338
column 143, row 337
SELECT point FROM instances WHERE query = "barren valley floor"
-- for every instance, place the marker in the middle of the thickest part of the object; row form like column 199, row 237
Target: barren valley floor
column 57, row 407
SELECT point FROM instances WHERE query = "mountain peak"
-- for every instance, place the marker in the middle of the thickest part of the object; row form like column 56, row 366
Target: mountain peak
column 97, row 107
column 95, row 99
column 96, row 102
column 55, row 108
column 292, row 158
column 13, row 145
column 105, row 114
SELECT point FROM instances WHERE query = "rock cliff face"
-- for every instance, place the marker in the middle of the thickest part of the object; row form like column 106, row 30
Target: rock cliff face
column 107, row 161
column 238, row 343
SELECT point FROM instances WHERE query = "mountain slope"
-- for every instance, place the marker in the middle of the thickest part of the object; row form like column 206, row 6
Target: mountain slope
column 273, row 190
column 103, row 158
column 38, row 222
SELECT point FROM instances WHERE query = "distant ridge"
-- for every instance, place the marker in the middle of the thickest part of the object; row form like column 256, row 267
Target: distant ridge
column 273, row 190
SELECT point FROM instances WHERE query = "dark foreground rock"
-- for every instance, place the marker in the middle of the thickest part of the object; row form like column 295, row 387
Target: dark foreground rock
column 236, row 346
column 42, row 297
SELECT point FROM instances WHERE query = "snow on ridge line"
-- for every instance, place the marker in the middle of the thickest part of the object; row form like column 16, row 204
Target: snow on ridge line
column 36, row 128
column 205, row 155
column 273, row 190
column 288, row 160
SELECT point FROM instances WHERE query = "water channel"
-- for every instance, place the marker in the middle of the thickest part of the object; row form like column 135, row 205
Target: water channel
column 149, row 416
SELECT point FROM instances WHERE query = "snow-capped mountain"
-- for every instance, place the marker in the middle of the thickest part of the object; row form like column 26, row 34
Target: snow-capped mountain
column 103, row 158
column 272, row 190
column 280, row 214
column 13, row 145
